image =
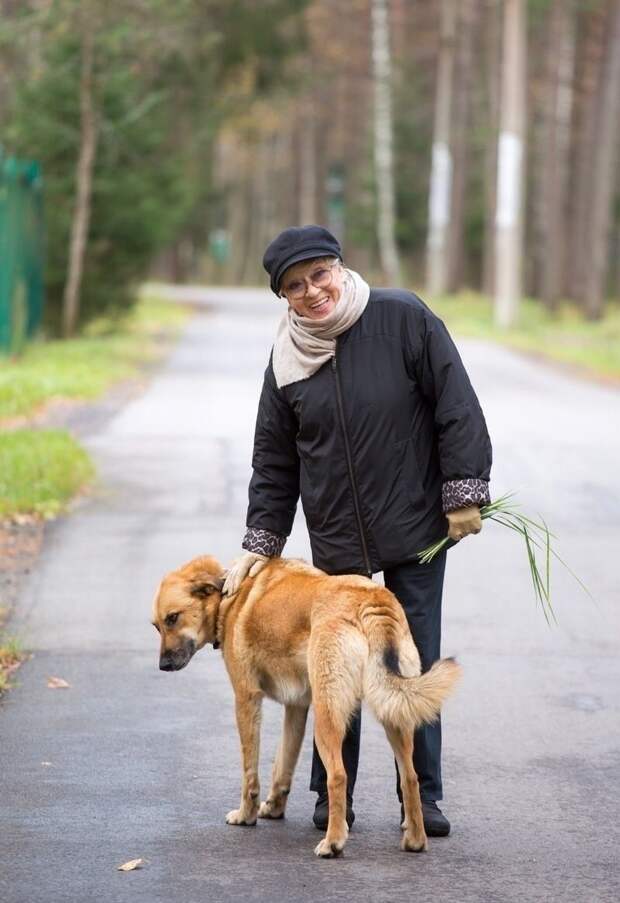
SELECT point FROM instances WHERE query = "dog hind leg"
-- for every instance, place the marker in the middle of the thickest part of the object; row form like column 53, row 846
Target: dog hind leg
column 285, row 762
column 414, row 836
column 329, row 736
column 248, row 712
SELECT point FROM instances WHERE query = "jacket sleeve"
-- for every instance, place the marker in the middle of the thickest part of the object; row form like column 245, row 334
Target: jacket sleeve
column 274, row 487
column 464, row 445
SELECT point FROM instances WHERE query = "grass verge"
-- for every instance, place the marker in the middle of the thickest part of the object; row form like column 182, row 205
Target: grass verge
column 83, row 368
column 40, row 470
column 11, row 656
column 563, row 336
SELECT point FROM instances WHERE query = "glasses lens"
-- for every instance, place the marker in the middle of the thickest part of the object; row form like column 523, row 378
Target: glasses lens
column 321, row 277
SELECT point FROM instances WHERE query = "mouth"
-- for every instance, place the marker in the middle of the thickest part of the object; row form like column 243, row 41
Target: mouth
column 320, row 306
column 177, row 659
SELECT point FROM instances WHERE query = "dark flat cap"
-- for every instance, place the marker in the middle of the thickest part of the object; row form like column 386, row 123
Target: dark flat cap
column 294, row 245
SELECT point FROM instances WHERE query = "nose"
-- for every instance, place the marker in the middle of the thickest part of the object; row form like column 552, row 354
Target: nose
column 312, row 289
column 165, row 663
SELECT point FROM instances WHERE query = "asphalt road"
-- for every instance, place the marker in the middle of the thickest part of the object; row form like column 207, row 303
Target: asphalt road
column 132, row 762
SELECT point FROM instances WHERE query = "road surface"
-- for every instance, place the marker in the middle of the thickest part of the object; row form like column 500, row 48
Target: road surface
column 133, row 762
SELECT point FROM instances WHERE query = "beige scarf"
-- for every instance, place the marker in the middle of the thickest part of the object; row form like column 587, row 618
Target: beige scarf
column 303, row 345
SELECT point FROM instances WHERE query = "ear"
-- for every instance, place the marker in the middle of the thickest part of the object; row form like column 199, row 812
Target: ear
column 203, row 588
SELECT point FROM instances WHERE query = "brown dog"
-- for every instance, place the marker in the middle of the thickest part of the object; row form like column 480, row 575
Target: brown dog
column 296, row 635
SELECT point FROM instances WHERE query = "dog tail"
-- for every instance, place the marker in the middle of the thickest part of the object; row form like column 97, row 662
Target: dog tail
column 394, row 688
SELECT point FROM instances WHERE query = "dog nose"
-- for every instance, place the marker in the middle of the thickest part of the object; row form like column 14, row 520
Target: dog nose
column 165, row 663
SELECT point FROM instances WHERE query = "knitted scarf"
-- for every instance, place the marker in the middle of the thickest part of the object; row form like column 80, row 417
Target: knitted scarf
column 303, row 345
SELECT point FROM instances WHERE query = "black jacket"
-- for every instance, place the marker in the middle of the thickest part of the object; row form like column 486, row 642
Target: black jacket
column 370, row 439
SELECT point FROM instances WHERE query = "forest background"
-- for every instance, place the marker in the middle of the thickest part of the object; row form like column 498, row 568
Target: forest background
column 177, row 139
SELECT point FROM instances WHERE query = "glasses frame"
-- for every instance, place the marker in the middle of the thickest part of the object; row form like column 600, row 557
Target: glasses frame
column 307, row 280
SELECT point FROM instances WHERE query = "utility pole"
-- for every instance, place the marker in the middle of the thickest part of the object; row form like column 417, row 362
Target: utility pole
column 510, row 167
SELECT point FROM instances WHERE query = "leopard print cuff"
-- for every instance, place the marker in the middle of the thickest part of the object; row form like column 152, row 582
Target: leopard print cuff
column 263, row 542
column 461, row 493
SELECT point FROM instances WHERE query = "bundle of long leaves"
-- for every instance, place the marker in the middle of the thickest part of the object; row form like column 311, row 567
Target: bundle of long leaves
column 536, row 537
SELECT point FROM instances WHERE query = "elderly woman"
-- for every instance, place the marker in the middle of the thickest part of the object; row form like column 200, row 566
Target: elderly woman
column 367, row 413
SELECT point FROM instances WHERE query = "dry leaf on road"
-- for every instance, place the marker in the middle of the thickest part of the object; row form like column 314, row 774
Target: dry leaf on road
column 131, row 865
column 57, row 683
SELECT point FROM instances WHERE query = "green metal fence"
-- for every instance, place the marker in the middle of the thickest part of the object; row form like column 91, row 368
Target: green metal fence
column 21, row 251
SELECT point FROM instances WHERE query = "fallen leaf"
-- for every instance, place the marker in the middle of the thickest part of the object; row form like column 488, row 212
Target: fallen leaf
column 131, row 865
column 57, row 683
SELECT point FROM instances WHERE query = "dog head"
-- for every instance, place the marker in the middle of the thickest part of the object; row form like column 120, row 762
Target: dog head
column 185, row 610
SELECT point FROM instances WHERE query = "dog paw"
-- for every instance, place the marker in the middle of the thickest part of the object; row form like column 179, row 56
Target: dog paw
column 237, row 817
column 270, row 809
column 412, row 844
column 329, row 849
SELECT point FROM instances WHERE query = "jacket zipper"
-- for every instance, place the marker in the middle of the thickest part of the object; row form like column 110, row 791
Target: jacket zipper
column 347, row 448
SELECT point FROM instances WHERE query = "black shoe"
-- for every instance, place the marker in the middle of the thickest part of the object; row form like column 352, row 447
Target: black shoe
column 435, row 822
column 321, row 812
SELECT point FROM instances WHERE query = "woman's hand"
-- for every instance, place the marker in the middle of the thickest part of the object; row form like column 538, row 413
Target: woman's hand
column 464, row 521
column 250, row 563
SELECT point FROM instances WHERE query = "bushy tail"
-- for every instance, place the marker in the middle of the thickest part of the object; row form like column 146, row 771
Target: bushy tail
column 395, row 697
column 410, row 701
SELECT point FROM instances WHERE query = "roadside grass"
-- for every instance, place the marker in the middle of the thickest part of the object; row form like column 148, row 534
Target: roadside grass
column 111, row 349
column 564, row 336
column 40, row 470
column 11, row 656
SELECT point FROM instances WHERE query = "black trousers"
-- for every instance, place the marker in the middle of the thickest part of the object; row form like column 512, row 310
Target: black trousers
column 418, row 588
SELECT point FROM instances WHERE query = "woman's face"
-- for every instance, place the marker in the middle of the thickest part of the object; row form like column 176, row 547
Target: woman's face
column 313, row 287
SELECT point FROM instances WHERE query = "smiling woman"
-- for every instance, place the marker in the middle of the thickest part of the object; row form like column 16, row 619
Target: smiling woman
column 313, row 289
column 368, row 414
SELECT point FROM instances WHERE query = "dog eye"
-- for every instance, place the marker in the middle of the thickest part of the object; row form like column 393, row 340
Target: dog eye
column 172, row 618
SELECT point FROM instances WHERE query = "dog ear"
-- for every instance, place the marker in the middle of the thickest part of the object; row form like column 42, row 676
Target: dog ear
column 203, row 588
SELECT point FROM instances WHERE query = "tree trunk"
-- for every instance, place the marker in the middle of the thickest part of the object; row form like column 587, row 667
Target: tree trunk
column 384, row 171
column 553, row 187
column 493, row 69
column 307, row 160
column 441, row 161
column 590, row 50
column 603, row 181
column 469, row 18
column 510, row 169
column 84, row 177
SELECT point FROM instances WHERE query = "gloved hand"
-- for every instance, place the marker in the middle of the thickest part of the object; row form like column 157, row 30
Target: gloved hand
column 464, row 521
column 249, row 563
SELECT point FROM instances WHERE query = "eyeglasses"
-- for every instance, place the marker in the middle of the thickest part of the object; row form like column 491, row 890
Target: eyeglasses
column 321, row 277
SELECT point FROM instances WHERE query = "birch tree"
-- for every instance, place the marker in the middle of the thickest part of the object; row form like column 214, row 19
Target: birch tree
column 510, row 167
column 384, row 169
column 441, row 163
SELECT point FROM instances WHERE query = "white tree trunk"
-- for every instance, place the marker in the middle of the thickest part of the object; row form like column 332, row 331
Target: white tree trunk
column 84, row 179
column 510, row 168
column 384, row 168
column 440, row 195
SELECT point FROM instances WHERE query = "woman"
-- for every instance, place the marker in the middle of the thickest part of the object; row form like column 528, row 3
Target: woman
column 367, row 413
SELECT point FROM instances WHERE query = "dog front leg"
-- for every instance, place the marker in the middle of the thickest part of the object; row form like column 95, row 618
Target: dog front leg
column 285, row 762
column 248, row 711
